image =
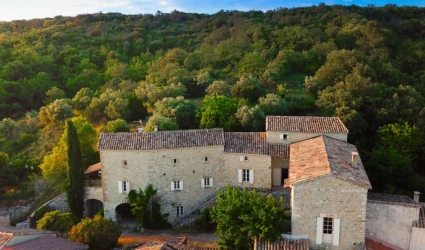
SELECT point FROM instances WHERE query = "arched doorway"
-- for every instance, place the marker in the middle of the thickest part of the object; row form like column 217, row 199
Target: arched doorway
column 93, row 207
column 124, row 216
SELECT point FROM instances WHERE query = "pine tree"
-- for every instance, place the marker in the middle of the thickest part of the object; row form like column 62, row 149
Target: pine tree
column 75, row 182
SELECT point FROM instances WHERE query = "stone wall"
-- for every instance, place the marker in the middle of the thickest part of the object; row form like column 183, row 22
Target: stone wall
column 280, row 162
column 329, row 197
column 274, row 136
column 261, row 164
column 391, row 223
column 157, row 167
column 93, row 192
column 4, row 219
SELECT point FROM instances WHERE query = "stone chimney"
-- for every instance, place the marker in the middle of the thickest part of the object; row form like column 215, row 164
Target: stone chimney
column 416, row 196
column 354, row 160
column 156, row 128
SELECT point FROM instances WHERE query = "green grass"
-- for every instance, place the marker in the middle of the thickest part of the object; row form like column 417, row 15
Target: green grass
column 298, row 94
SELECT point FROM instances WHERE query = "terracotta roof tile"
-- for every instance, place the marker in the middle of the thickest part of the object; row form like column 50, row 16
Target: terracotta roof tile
column 391, row 199
column 94, row 168
column 283, row 244
column 24, row 231
column 246, row 143
column 161, row 140
column 49, row 242
column 321, row 156
column 305, row 124
column 4, row 238
column 180, row 246
column 278, row 150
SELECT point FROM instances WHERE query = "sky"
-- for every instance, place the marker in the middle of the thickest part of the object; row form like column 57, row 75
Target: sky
column 30, row 9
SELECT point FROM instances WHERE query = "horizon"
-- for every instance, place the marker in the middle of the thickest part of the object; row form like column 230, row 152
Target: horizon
column 27, row 10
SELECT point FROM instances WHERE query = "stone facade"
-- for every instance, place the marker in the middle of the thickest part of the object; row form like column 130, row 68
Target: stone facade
column 157, row 167
column 391, row 223
column 275, row 136
column 329, row 196
column 5, row 219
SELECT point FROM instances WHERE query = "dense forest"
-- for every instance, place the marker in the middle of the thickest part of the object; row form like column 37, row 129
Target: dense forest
column 179, row 70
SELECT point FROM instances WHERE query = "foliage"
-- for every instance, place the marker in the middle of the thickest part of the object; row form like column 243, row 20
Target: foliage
column 248, row 87
column 162, row 123
column 114, row 126
column 180, row 110
column 204, row 219
column 40, row 212
column 251, row 118
column 54, row 94
column 83, row 98
column 55, row 221
column 273, row 104
column 57, row 111
column 75, row 173
column 219, row 88
column 146, row 208
column 97, row 233
column 216, row 112
column 243, row 215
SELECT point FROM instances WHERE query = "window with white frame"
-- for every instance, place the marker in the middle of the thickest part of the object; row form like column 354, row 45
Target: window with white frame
column 283, row 136
column 175, row 161
column 328, row 230
column 243, row 158
column 207, row 182
column 176, row 185
column 180, row 210
column 123, row 187
column 246, row 176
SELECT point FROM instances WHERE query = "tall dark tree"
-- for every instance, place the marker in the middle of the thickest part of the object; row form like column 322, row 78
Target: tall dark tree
column 75, row 183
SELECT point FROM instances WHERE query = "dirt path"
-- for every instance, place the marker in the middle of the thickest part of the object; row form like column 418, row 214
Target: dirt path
column 205, row 239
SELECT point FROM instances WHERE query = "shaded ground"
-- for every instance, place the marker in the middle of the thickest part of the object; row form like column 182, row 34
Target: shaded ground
column 373, row 245
column 204, row 239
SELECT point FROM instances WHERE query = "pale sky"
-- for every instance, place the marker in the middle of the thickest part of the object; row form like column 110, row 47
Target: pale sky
column 30, row 9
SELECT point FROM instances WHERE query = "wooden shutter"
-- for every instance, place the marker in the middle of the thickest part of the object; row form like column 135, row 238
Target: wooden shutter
column 211, row 182
column 319, row 230
column 172, row 186
column 120, row 187
column 181, row 185
column 251, row 176
column 241, row 158
column 281, row 136
column 240, row 175
column 202, row 183
column 337, row 225
column 128, row 187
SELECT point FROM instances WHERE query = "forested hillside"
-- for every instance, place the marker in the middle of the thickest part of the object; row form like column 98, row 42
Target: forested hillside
column 229, row 69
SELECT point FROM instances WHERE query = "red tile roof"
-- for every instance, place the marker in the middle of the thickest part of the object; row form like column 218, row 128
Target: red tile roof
column 305, row 124
column 24, row 231
column 246, row 142
column 278, row 150
column 161, row 139
column 179, row 243
column 49, row 242
column 321, row 156
column 4, row 238
column 282, row 244
column 391, row 199
column 94, row 168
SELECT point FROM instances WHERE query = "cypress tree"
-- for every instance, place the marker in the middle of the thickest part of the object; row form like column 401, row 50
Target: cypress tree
column 75, row 173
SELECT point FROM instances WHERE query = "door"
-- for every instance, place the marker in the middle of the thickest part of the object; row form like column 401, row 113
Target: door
column 277, row 177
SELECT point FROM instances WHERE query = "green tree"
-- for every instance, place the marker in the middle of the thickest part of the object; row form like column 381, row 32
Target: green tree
column 273, row 104
column 146, row 208
column 55, row 112
column 98, row 233
column 75, row 173
column 251, row 118
column 180, row 110
column 248, row 87
column 83, row 98
column 114, row 126
column 243, row 215
column 163, row 123
column 219, row 88
column 56, row 221
column 217, row 112
column 54, row 94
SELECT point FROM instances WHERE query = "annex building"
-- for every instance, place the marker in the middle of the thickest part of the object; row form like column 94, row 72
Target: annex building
column 307, row 155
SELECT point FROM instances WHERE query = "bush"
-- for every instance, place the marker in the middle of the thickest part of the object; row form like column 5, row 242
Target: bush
column 97, row 233
column 56, row 221
column 39, row 213
column 204, row 219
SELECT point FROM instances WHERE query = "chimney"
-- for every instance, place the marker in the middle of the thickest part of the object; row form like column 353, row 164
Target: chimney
column 354, row 160
column 140, row 129
column 156, row 128
column 416, row 196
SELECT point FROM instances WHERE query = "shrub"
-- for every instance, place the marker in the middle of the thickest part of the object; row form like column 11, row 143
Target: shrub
column 97, row 233
column 55, row 221
column 39, row 213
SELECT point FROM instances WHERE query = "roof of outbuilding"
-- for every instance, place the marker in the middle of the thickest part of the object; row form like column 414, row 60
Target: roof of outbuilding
column 94, row 168
column 4, row 238
column 24, row 231
column 305, row 124
column 49, row 242
column 246, row 142
column 321, row 156
column 278, row 150
column 391, row 199
column 161, row 139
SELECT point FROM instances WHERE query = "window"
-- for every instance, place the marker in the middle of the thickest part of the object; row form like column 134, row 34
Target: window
column 123, row 187
column 283, row 136
column 246, row 158
column 328, row 229
column 243, row 158
column 245, row 175
column 176, row 185
column 124, row 163
column 206, row 159
column 207, row 182
column 175, row 161
column 180, row 210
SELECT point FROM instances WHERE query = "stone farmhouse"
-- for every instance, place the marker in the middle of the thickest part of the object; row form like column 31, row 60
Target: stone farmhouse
column 309, row 157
